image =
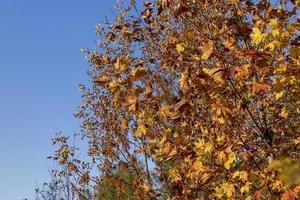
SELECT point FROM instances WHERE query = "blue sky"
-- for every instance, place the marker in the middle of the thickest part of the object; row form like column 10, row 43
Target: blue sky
column 41, row 67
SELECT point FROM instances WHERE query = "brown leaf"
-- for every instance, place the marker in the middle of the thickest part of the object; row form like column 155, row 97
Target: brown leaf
column 148, row 91
column 207, row 50
column 84, row 179
column 183, row 82
column 137, row 73
column 146, row 14
column 181, row 10
column 217, row 73
column 253, row 54
column 110, row 37
column 181, row 105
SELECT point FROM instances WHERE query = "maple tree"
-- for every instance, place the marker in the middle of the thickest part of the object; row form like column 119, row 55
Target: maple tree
column 205, row 94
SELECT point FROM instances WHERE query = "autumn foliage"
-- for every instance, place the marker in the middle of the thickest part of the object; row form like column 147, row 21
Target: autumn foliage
column 200, row 99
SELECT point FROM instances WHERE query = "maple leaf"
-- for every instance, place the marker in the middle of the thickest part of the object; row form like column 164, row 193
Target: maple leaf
column 102, row 80
column 113, row 86
column 120, row 65
column 245, row 188
column 207, row 50
column 288, row 195
column 217, row 74
column 190, row 86
column 280, row 69
column 258, row 87
column 124, row 124
column 180, row 47
column 230, row 160
column 257, row 36
column 183, row 82
column 243, row 175
column 198, row 166
column 273, row 45
column 146, row 187
column 230, row 191
column 137, row 73
column 274, row 23
column 141, row 130
column 278, row 95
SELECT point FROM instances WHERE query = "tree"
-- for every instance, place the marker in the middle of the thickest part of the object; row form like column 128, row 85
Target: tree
column 204, row 93
column 118, row 184
column 59, row 188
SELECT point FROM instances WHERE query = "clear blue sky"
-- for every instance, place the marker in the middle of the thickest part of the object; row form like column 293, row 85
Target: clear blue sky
column 41, row 67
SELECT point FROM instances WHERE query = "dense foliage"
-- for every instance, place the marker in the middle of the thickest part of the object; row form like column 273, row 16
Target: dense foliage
column 203, row 93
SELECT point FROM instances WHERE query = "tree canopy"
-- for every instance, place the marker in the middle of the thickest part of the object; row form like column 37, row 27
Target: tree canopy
column 200, row 98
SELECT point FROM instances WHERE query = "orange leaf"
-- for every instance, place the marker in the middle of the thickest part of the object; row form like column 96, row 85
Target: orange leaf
column 102, row 80
column 289, row 195
column 258, row 87
column 124, row 124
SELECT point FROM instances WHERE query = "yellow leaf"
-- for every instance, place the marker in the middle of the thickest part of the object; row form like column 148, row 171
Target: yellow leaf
column 208, row 147
column 180, row 47
column 273, row 23
column 230, row 191
column 278, row 95
column 221, row 120
column 275, row 32
column 242, row 175
column 257, row 36
column 280, row 69
column 248, row 198
column 235, row 174
column 230, row 160
column 245, row 188
column 225, row 189
column 221, row 156
column 174, row 175
column 141, row 130
column 219, row 192
column 277, row 185
column 198, row 166
column 273, row 45
column 221, row 138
